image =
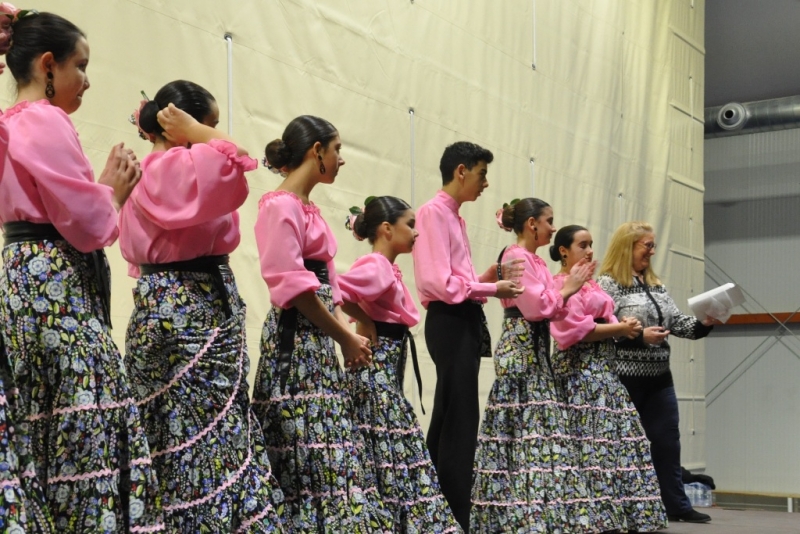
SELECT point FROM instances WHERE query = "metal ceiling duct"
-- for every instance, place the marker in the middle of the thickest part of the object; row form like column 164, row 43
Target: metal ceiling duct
column 751, row 117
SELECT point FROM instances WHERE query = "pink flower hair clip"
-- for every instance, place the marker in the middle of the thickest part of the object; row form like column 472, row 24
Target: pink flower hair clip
column 499, row 214
column 134, row 119
column 355, row 211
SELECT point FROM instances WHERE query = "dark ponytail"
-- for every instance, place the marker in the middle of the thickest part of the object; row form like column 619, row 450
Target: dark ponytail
column 377, row 211
column 37, row 33
column 298, row 137
column 184, row 95
column 514, row 215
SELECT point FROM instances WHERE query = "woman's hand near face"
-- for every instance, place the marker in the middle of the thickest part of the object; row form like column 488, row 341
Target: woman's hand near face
column 177, row 124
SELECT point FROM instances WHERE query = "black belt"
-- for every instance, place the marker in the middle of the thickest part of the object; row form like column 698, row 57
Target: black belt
column 512, row 313
column 204, row 264
column 24, row 231
column 287, row 324
column 401, row 332
column 468, row 309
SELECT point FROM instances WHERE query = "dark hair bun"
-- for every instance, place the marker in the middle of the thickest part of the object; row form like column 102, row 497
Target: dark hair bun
column 555, row 255
column 360, row 226
column 148, row 118
column 278, row 154
column 508, row 217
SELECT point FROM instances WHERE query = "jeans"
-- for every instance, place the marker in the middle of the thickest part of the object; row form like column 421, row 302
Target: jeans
column 658, row 410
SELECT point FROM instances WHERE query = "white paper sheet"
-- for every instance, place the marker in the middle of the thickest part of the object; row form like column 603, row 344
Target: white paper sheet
column 717, row 302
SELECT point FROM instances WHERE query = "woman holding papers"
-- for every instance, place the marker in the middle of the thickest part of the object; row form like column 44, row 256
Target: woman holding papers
column 643, row 363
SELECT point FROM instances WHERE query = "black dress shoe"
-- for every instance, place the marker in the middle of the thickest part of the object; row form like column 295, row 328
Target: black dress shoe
column 692, row 516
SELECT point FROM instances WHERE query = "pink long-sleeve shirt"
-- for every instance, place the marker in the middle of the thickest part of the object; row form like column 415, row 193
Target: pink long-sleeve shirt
column 376, row 285
column 48, row 179
column 287, row 232
column 588, row 304
column 541, row 299
column 185, row 205
column 443, row 267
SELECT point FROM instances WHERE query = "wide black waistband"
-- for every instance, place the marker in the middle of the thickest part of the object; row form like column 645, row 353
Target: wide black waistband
column 391, row 330
column 319, row 268
column 512, row 313
column 468, row 307
column 203, row 264
column 21, row 231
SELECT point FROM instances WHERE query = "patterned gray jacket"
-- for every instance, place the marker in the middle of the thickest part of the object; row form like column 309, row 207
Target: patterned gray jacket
column 653, row 306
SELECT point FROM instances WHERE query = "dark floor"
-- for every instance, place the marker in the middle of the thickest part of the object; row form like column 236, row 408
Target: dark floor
column 728, row 521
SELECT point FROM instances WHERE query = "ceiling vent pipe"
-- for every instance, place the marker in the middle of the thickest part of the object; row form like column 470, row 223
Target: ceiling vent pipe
column 751, row 117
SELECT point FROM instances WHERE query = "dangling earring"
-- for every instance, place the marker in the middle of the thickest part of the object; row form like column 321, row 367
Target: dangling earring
column 563, row 260
column 49, row 90
column 535, row 234
column 321, row 165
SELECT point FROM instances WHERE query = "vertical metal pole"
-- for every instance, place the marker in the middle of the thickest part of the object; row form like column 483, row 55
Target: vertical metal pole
column 533, row 177
column 533, row 17
column 229, row 39
column 413, row 159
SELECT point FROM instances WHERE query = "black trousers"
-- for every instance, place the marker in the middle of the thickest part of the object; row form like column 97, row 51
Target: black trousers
column 658, row 409
column 453, row 336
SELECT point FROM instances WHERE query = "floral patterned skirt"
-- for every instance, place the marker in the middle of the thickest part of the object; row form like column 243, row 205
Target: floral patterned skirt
column 188, row 369
column 526, row 476
column 88, row 444
column 22, row 503
column 407, row 480
column 317, row 454
column 614, row 452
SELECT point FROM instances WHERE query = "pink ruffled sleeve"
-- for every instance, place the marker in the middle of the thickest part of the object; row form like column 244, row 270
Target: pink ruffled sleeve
column 46, row 145
column 280, row 232
column 186, row 187
column 577, row 324
column 540, row 300
column 366, row 280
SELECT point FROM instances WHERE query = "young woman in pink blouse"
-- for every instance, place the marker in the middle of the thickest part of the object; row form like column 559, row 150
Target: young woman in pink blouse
column 89, row 446
column 186, row 348
column 375, row 295
column 603, row 425
column 523, row 470
column 22, row 502
column 300, row 393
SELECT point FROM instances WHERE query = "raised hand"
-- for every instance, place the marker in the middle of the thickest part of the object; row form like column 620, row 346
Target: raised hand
column 512, row 269
column 121, row 173
column 177, row 124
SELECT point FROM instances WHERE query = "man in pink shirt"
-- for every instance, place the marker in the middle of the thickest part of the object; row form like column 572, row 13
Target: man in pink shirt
column 455, row 327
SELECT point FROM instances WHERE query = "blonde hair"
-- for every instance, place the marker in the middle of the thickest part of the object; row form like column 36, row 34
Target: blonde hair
column 618, row 261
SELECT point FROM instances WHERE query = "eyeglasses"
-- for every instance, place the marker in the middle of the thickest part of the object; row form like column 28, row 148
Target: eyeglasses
column 649, row 246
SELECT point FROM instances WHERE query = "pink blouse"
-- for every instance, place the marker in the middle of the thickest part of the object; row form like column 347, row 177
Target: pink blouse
column 541, row 299
column 376, row 285
column 443, row 267
column 185, row 205
column 287, row 232
column 48, row 179
column 588, row 304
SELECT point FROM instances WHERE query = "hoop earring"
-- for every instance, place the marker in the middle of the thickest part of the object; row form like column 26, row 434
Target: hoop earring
column 49, row 90
column 322, row 168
